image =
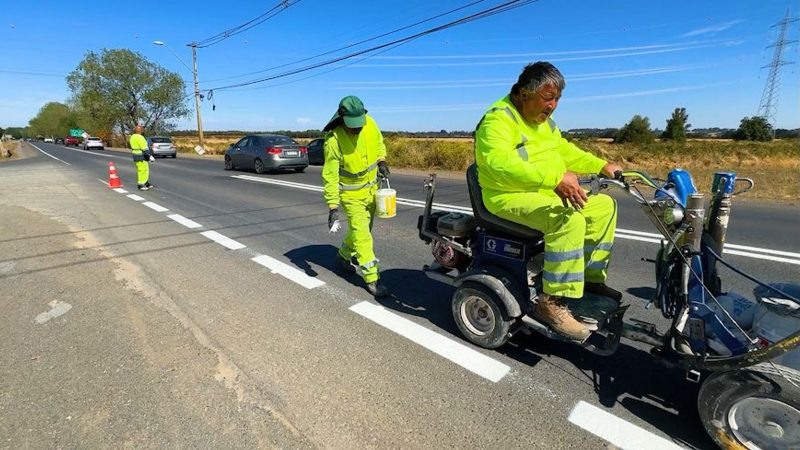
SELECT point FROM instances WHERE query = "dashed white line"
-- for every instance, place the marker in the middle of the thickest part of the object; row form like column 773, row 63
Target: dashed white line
column 155, row 207
column 188, row 223
column 138, row 198
column 464, row 356
column 289, row 272
column 616, row 431
column 48, row 154
column 120, row 190
column 223, row 240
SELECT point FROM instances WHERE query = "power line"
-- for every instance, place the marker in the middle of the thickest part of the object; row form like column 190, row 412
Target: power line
column 364, row 41
column 513, row 4
column 219, row 37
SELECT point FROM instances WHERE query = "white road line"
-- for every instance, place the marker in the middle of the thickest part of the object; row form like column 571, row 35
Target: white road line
column 288, row 272
column 622, row 233
column 135, row 197
column 616, row 431
column 223, row 240
column 456, row 352
column 155, row 206
column 188, row 223
column 106, row 155
column 120, row 190
column 48, row 154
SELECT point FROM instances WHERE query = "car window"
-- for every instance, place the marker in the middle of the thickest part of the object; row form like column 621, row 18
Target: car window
column 316, row 143
column 275, row 141
column 243, row 142
column 160, row 140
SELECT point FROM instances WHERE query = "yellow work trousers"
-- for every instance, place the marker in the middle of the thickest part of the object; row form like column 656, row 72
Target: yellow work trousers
column 577, row 243
column 142, row 172
column 359, row 206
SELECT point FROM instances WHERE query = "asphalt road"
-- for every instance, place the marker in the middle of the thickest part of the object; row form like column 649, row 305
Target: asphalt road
column 172, row 338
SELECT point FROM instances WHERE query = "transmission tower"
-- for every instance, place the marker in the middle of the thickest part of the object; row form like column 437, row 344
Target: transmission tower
column 769, row 98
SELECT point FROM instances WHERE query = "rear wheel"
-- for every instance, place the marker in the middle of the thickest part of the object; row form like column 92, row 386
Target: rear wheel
column 228, row 163
column 299, row 169
column 258, row 166
column 480, row 316
column 756, row 407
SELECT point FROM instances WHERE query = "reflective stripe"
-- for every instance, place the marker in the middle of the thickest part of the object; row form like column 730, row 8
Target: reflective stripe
column 552, row 123
column 355, row 187
column 597, row 265
column 345, row 173
column 497, row 108
column 551, row 256
column 509, row 112
column 521, row 150
column 370, row 264
column 601, row 246
column 564, row 277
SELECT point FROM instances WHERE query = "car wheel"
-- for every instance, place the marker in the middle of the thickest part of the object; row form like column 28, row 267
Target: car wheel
column 258, row 166
column 299, row 169
column 228, row 163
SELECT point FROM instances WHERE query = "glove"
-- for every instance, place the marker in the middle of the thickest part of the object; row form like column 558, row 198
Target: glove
column 383, row 169
column 152, row 158
column 333, row 220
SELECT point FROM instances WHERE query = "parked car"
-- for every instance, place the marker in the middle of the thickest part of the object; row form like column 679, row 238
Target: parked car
column 93, row 142
column 162, row 146
column 266, row 152
column 48, row 140
column 59, row 140
column 316, row 155
column 72, row 140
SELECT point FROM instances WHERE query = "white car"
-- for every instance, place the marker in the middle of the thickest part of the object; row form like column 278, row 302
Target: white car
column 93, row 142
column 48, row 140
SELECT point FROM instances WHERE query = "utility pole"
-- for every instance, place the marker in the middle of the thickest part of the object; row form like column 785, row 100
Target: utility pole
column 769, row 98
column 197, row 98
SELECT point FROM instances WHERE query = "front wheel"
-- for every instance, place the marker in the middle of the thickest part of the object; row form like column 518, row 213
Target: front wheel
column 754, row 408
column 480, row 316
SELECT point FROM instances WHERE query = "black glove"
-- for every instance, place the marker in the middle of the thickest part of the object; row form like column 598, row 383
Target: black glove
column 333, row 216
column 383, row 169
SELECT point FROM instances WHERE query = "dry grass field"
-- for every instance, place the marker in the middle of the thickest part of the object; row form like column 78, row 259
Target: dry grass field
column 774, row 166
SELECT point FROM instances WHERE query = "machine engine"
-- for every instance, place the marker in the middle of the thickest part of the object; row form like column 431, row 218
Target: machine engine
column 458, row 228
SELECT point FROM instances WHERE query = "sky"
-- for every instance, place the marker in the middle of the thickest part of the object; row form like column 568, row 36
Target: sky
column 619, row 58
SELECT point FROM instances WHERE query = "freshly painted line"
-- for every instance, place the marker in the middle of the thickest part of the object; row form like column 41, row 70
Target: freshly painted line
column 105, row 155
column 135, row 197
column 622, row 233
column 450, row 349
column 57, row 308
column 188, row 223
column 223, row 240
column 155, row 206
column 289, row 272
column 120, row 190
column 620, row 433
column 48, row 154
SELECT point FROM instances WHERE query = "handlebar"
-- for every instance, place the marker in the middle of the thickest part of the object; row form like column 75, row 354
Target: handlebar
column 621, row 180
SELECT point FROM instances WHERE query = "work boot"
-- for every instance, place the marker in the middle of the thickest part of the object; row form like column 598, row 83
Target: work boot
column 602, row 289
column 344, row 266
column 553, row 310
column 377, row 289
column 143, row 187
column 151, row 186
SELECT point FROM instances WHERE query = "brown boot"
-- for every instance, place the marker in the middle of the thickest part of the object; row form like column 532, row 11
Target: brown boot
column 553, row 310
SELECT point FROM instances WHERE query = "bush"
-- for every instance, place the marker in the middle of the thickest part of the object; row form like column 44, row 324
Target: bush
column 636, row 131
column 754, row 129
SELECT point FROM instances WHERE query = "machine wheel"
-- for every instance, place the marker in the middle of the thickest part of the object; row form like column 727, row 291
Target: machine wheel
column 258, row 166
column 228, row 163
column 480, row 315
column 754, row 408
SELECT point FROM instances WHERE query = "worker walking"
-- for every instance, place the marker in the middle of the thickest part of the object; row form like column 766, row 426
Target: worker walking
column 141, row 158
column 355, row 156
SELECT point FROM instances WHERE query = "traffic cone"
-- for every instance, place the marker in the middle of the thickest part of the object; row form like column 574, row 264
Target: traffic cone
column 113, row 178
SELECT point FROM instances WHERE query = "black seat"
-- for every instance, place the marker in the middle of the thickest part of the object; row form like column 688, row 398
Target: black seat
column 489, row 221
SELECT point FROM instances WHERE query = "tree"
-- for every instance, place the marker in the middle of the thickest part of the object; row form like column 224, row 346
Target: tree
column 636, row 131
column 118, row 88
column 53, row 119
column 754, row 128
column 677, row 126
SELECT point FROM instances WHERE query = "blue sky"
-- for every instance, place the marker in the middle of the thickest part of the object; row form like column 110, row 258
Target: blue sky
column 620, row 58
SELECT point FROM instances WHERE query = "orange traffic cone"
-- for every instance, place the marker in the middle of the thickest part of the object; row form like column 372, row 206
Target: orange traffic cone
column 113, row 178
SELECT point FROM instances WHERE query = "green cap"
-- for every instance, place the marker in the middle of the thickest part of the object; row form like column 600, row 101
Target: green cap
column 351, row 111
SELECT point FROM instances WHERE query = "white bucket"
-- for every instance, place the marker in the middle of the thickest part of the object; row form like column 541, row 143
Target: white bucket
column 386, row 201
column 777, row 318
